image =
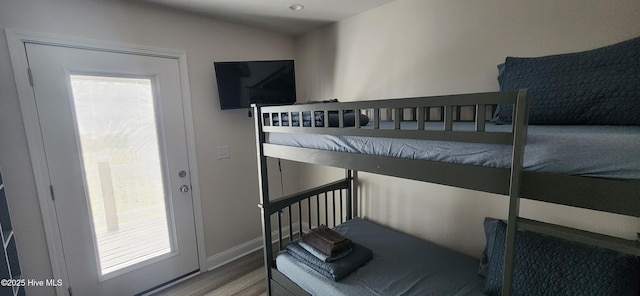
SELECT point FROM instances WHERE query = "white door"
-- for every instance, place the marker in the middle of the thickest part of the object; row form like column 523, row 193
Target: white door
column 114, row 136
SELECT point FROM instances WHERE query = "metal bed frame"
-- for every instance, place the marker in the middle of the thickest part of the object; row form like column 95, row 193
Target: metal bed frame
column 568, row 190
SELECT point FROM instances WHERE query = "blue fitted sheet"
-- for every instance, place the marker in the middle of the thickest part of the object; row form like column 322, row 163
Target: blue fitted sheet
column 401, row 265
column 582, row 150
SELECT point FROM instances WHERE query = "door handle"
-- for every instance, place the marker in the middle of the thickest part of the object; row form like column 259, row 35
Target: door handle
column 184, row 188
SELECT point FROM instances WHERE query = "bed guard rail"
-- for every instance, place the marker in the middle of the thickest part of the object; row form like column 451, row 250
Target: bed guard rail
column 328, row 204
column 447, row 109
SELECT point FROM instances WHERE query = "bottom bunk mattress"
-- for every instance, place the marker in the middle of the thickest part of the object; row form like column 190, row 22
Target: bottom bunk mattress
column 401, row 265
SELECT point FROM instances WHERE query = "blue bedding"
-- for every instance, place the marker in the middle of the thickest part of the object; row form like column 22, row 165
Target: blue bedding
column 553, row 266
column 401, row 265
column 583, row 150
column 598, row 86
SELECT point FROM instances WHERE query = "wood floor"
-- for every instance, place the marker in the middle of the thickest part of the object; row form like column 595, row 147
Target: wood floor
column 244, row 276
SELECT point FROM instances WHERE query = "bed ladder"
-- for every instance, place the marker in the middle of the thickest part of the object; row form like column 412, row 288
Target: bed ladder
column 520, row 122
column 515, row 222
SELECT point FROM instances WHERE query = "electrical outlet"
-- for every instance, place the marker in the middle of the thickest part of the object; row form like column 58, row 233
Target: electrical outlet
column 222, row 152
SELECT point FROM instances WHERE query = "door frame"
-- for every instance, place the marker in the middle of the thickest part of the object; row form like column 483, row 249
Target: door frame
column 16, row 40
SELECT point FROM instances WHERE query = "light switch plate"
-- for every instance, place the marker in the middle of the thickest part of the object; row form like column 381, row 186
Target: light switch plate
column 223, row 152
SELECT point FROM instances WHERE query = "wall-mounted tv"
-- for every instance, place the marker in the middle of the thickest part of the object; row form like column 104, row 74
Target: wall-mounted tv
column 243, row 83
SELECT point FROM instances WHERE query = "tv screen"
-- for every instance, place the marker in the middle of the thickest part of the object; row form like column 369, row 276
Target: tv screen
column 241, row 84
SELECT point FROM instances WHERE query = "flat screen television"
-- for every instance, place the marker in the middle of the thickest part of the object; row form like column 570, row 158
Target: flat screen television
column 243, row 83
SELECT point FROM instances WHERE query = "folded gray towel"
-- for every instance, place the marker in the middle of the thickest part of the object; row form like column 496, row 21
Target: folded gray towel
column 333, row 270
column 322, row 256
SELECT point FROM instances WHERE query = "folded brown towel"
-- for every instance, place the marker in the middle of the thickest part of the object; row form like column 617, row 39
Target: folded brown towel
column 327, row 240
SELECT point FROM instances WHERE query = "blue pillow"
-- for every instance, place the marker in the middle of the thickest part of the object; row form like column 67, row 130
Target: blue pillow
column 490, row 226
column 552, row 266
column 596, row 87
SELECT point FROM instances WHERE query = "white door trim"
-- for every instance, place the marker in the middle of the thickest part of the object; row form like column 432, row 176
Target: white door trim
column 16, row 40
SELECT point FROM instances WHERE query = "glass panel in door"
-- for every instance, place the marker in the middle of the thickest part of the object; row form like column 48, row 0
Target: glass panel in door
column 116, row 123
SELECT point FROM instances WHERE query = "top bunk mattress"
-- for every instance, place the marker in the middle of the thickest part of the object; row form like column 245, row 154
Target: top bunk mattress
column 582, row 150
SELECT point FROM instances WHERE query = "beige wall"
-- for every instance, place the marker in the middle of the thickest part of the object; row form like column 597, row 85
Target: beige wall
column 409, row 47
column 229, row 187
column 414, row 48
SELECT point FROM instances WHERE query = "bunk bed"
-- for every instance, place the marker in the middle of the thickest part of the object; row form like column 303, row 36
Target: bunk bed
column 301, row 133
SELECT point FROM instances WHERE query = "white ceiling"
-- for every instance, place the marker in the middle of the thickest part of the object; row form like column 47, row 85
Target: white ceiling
column 276, row 15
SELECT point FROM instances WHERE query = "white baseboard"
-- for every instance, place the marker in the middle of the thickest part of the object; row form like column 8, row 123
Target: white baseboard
column 244, row 249
column 234, row 253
